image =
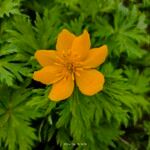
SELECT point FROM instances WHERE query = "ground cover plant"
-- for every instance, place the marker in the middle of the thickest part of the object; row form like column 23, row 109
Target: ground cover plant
column 116, row 117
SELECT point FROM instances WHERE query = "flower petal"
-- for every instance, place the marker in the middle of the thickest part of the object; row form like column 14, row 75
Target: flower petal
column 81, row 45
column 90, row 81
column 65, row 40
column 48, row 75
column 96, row 57
column 45, row 57
column 62, row 89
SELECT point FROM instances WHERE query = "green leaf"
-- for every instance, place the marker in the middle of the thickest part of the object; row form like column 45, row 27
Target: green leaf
column 11, row 71
column 125, row 32
column 9, row 7
column 22, row 34
column 139, row 82
column 15, row 117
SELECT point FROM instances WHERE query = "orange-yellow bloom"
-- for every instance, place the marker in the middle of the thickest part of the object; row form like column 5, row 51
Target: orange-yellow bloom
column 72, row 62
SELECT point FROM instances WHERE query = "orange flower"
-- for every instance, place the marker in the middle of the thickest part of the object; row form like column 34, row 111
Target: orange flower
column 72, row 62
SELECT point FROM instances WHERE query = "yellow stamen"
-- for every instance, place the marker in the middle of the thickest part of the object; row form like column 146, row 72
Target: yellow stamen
column 58, row 64
column 72, row 75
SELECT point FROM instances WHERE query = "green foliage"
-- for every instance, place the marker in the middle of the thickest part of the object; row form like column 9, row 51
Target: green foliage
column 11, row 63
column 95, row 7
column 19, row 49
column 147, row 129
column 73, row 115
column 10, row 72
column 15, row 117
column 126, row 27
column 38, row 36
column 9, row 7
column 139, row 82
column 116, row 118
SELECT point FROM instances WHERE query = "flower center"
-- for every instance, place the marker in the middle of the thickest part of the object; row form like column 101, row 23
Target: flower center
column 70, row 67
column 70, row 63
